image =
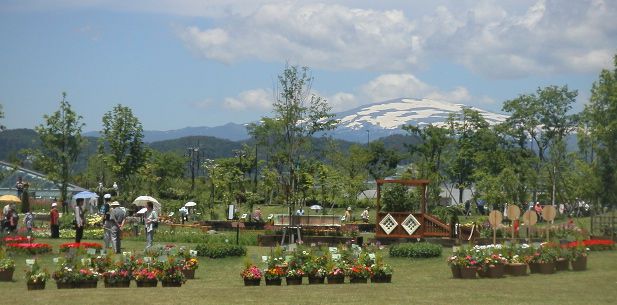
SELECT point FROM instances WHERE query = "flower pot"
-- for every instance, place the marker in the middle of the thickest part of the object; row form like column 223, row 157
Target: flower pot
column 456, row 271
column 547, row 268
column 468, row 272
column 517, row 269
column 580, row 263
column 358, row 280
column 86, row 284
column 36, row 286
column 336, row 279
column 294, row 281
column 534, row 267
column 118, row 284
column 65, row 285
column 147, row 283
column 496, row 271
column 273, row 282
column 482, row 272
column 387, row 278
column 562, row 264
column 171, row 283
column 6, row 275
column 252, row 282
column 316, row 280
column 189, row 274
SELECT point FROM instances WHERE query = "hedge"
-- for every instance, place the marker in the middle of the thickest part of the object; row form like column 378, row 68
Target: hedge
column 416, row 250
column 220, row 250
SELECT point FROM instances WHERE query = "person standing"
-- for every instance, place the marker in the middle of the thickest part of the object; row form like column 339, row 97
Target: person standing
column 364, row 215
column 54, row 217
column 116, row 218
column 79, row 220
column 19, row 186
column 151, row 220
column 184, row 214
column 105, row 210
column 348, row 215
column 29, row 222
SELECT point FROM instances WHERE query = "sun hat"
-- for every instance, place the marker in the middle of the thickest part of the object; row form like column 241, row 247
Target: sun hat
column 107, row 196
column 54, row 204
column 115, row 203
column 348, row 208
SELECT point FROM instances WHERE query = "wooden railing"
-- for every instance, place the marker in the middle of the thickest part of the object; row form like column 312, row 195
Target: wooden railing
column 430, row 226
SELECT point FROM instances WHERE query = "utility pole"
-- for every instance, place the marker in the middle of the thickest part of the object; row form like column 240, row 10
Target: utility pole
column 193, row 163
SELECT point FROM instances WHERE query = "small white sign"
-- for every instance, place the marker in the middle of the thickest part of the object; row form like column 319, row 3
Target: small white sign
column 30, row 262
column 244, row 216
column 193, row 253
column 147, row 259
column 91, row 251
column 270, row 216
column 333, row 249
column 230, row 212
column 336, row 256
column 126, row 253
column 371, row 256
column 264, row 258
column 103, row 252
column 56, row 260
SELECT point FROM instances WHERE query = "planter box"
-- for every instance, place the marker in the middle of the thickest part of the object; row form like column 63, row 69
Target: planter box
column 87, row 284
column 36, row 286
column 547, row 268
column 562, row 264
column 250, row 282
column 580, row 263
column 384, row 279
column 336, row 279
column 119, row 284
column 275, row 239
column 7, row 275
column 534, row 267
column 147, row 283
column 468, row 272
column 61, row 285
column 358, row 280
column 456, row 272
column 496, row 271
column 189, row 274
column 273, row 282
column 517, row 269
column 294, row 281
column 316, row 280
column 171, row 284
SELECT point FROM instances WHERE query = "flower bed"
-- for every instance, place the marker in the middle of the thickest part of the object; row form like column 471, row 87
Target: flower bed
column 29, row 248
column 17, row 239
column 594, row 244
column 66, row 246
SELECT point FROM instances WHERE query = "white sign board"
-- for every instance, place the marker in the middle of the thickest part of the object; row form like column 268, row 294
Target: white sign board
column 230, row 212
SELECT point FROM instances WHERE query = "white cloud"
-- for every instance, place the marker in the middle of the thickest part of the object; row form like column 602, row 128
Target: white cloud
column 203, row 104
column 258, row 99
column 342, row 101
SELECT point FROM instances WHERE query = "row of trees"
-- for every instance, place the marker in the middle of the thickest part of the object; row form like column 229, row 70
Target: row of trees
column 525, row 158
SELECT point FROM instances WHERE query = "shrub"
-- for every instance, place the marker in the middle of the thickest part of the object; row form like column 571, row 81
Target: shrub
column 400, row 198
column 416, row 250
column 220, row 250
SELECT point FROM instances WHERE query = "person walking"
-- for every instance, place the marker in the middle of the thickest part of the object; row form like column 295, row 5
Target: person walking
column 151, row 221
column 184, row 214
column 79, row 220
column 364, row 215
column 116, row 217
column 54, row 217
column 13, row 219
column 29, row 222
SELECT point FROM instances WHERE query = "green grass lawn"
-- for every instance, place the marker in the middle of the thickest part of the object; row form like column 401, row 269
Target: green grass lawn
column 421, row 281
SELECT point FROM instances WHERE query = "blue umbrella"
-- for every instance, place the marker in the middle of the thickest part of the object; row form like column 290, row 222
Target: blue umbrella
column 85, row 195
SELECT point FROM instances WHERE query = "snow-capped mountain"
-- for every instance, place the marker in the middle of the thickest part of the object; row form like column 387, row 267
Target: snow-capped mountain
column 386, row 118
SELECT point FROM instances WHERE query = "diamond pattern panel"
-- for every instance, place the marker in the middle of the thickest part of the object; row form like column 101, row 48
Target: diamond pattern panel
column 388, row 223
column 410, row 224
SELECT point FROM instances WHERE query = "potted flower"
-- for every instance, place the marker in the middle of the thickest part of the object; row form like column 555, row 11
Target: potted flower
column 517, row 265
column 171, row 273
column 251, row 275
column 146, row 276
column 469, row 266
column 118, row 276
column 35, row 277
column 359, row 273
column 7, row 267
column 274, row 275
column 86, row 278
column 316, row 270
column 65, row 276
column 546, row 259
column 189, row 265
column 563, row 259
column 294, row 275
column 578, row 254
column 455, row 265
column 494, row 265
column 381, row 273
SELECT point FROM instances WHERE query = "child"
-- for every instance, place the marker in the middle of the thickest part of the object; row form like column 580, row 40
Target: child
column 29, row 222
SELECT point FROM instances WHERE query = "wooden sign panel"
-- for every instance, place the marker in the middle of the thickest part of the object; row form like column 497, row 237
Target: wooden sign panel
column 495, row 218
column 549, row 212
column 514, row 212
column 530, row 218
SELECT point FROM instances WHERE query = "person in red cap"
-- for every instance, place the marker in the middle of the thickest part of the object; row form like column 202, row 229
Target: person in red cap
column 54, row 216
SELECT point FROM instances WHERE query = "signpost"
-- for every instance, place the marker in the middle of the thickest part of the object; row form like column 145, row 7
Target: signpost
column 514, row 212
column 237, row 225
column 548, row 213
column 495, row 218
column 529, row 218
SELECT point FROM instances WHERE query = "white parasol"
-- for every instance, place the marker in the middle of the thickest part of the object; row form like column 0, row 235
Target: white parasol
column 142, row 200
column 190, row 204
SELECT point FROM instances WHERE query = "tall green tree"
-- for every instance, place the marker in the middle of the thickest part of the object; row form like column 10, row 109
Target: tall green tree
column 122, row 145
column 383, row 161
column 60, row 144
column 298, row 115
column 602, row 114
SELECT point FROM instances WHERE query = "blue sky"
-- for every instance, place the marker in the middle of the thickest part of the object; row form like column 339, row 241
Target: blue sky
column 205, row 63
